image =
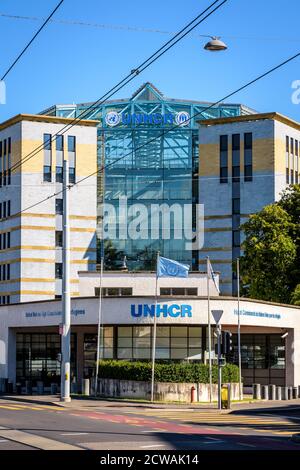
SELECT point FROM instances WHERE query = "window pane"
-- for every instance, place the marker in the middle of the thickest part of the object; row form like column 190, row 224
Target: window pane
column 125, row 331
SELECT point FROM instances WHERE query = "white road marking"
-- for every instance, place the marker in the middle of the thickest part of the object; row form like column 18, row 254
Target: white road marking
column 3, row 440
column 246, row 445
column 154, row 445
column 73, row 433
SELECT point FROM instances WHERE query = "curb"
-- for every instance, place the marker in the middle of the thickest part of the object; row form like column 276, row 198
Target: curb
column 31, row 400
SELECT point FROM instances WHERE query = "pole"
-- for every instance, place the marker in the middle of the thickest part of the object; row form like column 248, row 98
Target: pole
column 66, row 301
column 154, row 332
column 239, row 330
column 99, row 324
column 209, row 332
column 219, row 332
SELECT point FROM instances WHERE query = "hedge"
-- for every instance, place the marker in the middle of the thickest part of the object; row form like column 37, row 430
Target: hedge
column 165, row 372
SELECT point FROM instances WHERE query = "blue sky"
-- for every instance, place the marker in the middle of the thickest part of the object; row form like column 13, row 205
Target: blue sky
column 72, row 63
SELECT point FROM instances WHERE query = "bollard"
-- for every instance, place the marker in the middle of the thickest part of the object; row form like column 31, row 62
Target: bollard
column 40, row 387
column 86, row 387
column 290, row 393
column 28, row 387
column 298, row 391
column 265, row 392
column 256, row 391
column 278, row 393
column 294, row 393
column 53, row 388
column 193, row 394
column 18, row 388
column 284, row 391
column 272, row 392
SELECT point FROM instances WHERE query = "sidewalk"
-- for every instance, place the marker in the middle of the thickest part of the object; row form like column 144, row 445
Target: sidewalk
column 83, row 402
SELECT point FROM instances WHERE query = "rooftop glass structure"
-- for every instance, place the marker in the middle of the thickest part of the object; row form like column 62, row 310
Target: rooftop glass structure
column 148, row 145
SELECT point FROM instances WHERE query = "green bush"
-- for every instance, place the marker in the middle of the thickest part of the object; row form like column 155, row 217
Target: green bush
column 175, row 372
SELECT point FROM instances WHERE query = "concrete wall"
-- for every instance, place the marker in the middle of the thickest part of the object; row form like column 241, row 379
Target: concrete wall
column 142, row 283
column 163, row 391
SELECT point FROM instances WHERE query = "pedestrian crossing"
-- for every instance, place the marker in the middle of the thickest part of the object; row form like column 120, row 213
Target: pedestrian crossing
column 260, row 423
column 29, row 406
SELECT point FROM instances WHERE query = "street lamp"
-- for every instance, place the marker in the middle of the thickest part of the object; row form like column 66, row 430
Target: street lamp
column 215, row 44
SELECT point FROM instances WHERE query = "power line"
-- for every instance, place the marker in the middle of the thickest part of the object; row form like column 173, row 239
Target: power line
column 140, row 29
column 243, row 87
column 31, row 41
column 129, row 77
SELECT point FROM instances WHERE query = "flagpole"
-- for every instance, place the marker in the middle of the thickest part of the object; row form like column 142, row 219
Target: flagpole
column 239, row 329
column 99, row 326
column 209, row 332
column 154, row 332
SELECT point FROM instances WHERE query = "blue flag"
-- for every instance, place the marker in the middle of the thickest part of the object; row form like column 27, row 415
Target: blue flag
column 170, row 268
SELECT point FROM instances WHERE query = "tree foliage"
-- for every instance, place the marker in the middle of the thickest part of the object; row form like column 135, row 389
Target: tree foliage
column 270, row 253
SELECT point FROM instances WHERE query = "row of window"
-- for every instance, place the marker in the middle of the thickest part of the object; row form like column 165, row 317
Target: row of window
column 5, row 162
column 248, row 157
column 5, row 209
column 292, row 160
column 60, row 148
column 4, row 299
column 4, row 240
column 4, row 272
column 126, row 291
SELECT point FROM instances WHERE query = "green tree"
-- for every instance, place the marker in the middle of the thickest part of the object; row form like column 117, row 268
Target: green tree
column 269, row 254
column 295, row 299
column 290, row 202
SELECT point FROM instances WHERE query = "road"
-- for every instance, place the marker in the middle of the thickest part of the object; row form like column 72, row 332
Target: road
column 35, row 426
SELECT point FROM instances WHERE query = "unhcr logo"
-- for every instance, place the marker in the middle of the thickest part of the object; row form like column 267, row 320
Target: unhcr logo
column 162, row 310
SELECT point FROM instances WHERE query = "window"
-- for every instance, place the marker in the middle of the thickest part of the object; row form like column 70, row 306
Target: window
column 58, row 238
column 71, row 143
column 8, row 272
column 114, row 291
column 58, row 206
column 72, row 158
column 223, row 158
column 47, row 142
column 235, row 158
column 72, row 175
column 47, row 173
column 9, row 160
column 8, row 209
column 185, row 291
column 60, row 143
column 248, row 156
column 287, row 144
column 58, row 270
column 47, row 157
column 8, row 240
column 59, row 174
column 4, row 210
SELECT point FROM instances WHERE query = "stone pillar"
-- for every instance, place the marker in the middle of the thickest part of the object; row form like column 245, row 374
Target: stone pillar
column 292, row 358
column 12, row 356
column 79, row 356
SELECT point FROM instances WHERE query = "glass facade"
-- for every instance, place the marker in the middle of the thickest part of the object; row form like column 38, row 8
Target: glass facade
column 263, row 358
column 37, row 357
column 148, row 162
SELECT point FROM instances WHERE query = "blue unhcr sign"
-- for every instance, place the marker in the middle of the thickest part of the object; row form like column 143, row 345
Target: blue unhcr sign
column 162, row 310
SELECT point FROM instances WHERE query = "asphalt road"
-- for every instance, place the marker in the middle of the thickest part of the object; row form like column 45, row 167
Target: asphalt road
column 33, row 426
